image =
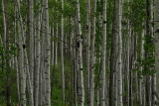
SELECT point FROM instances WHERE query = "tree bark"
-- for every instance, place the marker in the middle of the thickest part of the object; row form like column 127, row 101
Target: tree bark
column 156, row 43
column 79, row 54
column 112, row 56
column 47, row 55
column 62, row 55
column 104, row 49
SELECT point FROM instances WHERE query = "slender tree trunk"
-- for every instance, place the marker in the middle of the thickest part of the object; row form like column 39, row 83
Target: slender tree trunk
column 88, row 32
column 31, row 39
column 156, row 43
column 62, row 55
column 92, row 57
column 17, row 78
column 21, row 57
column 131, row 67
column 37, row 58
column 112, row 56
column 152, row 97
column 16, row 66
column 154, row 76
column 103, row 99
column 4, row 21
column 47, row 57
column 21, row 66
column 79, row 50
column 120, row 55
column 43, row 65
column 128, row 58
column 30, row 86
column 142, row 57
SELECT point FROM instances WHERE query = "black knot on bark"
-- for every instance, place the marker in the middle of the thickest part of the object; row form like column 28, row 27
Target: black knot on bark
column 24, row 46
column 104, row 22
column 78, row 44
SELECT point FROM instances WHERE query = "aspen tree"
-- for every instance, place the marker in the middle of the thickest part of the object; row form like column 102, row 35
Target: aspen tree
column 128, row 57
column 141, row 68
column 103, row 100
column 31, row 39
column 37, row 57
column 42, row 68
column 79, row 52
column 4, row 20
column 17, row 77
column 88, row 32
column 116, row 60
column 75, row 64
column 112, row 55
column 56, row 43
column 116, row 86
column 15, row 58
column 21, row 67
column 156, row 43
column 29, row 85
column 120, row 55
column 47, row 57
column 24, row 67
column 130, row 66
column 153, row 88
column 92, row 56
column 42, row 89
column 62, row 55
column 72, row 54
column 153, row 79
column 21, row 57
column 43, row 56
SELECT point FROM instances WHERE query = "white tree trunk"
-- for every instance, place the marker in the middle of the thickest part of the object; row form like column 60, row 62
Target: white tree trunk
column 62, row 55
column 16, row 66
column 42, row 70
column 120, row 103
column 21, row 67
column 103, row 99
column 153, row 79
column 21, row 58
column 156, row 37
column 79, row 50
column 43, row 63
column 142, row 57
column 31, row 40
column 17, row 78
column 30, row 86
column 47, row 57
column 37, row 58
column 4, row 20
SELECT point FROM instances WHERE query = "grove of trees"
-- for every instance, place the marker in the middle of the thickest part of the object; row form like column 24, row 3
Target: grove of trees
column 79, row 53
